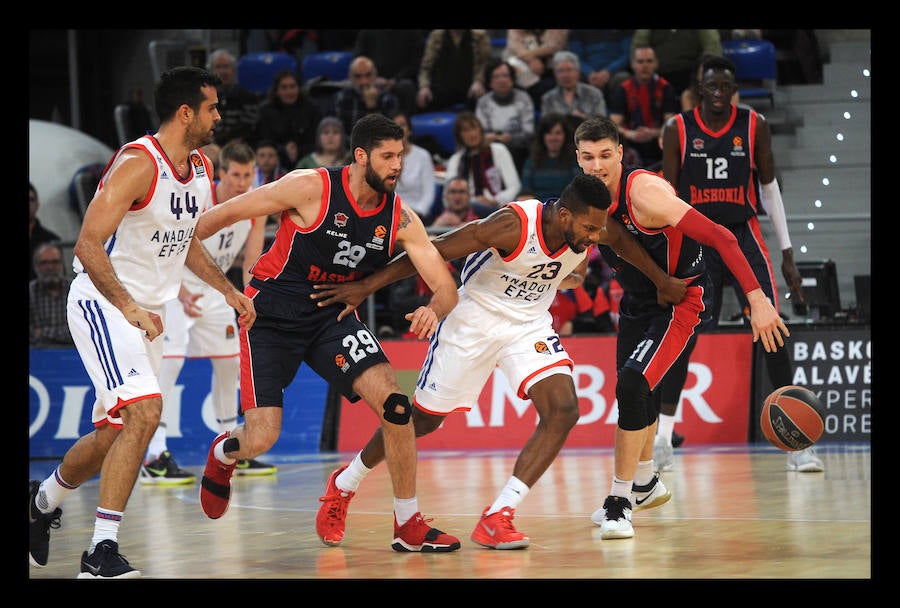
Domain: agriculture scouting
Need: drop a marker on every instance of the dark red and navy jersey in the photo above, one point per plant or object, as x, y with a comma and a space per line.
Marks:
718, 174
677, 254
345, 243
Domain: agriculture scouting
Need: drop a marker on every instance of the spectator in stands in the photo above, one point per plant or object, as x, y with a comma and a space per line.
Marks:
551, 165
362, 95
451, 75
416, 184
641, 105
530, 52
332, 148
288, 118
268, 169
571, 97
457, 205
603, 55
487, 167
397, 53
268, 164
690, 97
506, 112
678, 52
47, 294
36, 231
238, 106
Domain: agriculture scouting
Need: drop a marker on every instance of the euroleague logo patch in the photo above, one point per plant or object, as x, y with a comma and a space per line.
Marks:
541, 347
341, 361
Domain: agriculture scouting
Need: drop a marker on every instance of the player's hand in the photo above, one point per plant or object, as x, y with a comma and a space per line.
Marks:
350, 294
189, 303
767, 324
149, 322
422, 322
244, 306
671, 292
793, 278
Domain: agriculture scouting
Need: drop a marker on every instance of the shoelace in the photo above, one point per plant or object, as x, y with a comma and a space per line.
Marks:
338, 507
506, 516
113, 555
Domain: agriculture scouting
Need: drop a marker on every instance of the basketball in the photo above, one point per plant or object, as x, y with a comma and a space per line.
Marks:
792, 418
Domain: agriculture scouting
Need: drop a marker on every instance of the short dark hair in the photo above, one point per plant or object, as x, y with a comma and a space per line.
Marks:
179, 86
585, 191
717, 62
372, 129
596, 128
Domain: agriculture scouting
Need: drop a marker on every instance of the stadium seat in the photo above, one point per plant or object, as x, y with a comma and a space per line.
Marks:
256, 71
439, 125
756, 68
327, 65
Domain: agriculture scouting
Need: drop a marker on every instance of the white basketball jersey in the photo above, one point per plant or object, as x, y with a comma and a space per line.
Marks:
149, 248
521, 285
224, 246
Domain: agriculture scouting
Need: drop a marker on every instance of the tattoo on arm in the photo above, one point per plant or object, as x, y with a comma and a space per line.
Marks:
404, 218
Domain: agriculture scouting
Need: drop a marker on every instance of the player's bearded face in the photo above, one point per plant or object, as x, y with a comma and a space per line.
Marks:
378, 182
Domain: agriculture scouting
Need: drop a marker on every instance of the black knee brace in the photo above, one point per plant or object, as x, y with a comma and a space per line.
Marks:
390, 406
632, 392
231, 445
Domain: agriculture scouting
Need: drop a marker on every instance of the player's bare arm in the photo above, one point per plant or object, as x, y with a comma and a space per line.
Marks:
253, 246
299, 192
201, 263
669, 289
127, 182
655, 205
432, 267
501, 229
577, 276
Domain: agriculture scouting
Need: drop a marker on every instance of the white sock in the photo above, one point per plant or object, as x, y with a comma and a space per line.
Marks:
350, 477
665, 427
106, 527
513, 493
219, 453
405, 508
52, 492
621, 487
644, 472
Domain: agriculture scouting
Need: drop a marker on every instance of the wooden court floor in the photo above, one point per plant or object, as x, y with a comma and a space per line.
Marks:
736, 513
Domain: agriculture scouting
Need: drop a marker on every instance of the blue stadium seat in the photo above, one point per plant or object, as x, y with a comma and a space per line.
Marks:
256, 71
330, 65
755, 66
439, 125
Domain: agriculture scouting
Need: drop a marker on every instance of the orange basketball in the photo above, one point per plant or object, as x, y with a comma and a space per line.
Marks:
792, 418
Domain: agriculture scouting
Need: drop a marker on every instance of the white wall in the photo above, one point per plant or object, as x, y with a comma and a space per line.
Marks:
55, 153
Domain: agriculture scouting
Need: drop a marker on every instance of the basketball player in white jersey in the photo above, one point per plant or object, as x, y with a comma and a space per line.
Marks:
201, 324
137, 235
520, 256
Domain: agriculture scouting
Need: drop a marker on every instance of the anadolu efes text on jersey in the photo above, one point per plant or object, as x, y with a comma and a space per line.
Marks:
523, 283
149, 247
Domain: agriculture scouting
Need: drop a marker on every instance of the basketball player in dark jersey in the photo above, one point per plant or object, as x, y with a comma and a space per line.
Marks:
651, 336
337, 224
719, 158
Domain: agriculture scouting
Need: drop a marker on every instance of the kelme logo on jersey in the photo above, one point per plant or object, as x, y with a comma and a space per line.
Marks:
340, 220
541, 347
341, 361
